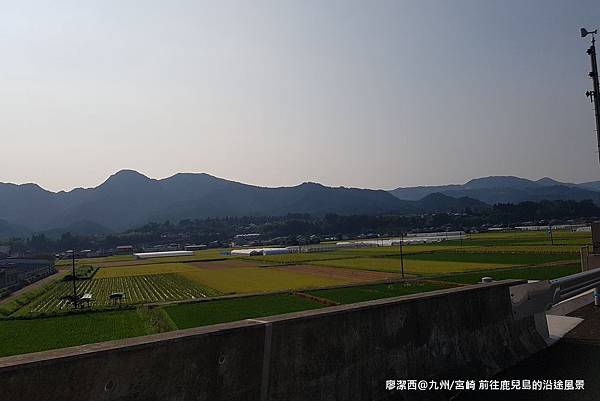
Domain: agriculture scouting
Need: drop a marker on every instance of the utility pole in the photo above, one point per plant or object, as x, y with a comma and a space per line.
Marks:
595, 93
73, 277
402, 253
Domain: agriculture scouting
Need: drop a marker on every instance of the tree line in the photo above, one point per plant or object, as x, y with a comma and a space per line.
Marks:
219, 231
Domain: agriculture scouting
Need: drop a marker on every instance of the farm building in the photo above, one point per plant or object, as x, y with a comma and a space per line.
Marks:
275, 251
194, 247
124, 250
246, 252
245, 239
86, 253
149, 255
163, 248
418, 238
260, 251
439, 234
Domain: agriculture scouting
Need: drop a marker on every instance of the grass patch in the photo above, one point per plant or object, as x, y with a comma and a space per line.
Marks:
351, 295
32, 335
230, 310
156, 320
525, 273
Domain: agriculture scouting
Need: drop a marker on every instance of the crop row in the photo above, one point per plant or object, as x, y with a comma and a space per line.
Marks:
136, 289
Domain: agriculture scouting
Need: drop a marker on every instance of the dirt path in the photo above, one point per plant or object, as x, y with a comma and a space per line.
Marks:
32, 286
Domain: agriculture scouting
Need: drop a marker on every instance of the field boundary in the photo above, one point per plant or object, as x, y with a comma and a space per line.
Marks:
324, 301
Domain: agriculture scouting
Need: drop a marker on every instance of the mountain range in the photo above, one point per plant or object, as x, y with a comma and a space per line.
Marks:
507, 189
128, 199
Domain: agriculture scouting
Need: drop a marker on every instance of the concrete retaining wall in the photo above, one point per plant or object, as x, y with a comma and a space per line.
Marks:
337, 353
593, 261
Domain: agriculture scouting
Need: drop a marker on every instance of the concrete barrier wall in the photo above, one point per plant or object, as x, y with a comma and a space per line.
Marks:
593, 261
337, 353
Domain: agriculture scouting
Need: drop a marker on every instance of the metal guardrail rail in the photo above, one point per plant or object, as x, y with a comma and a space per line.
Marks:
575, 284
532, 298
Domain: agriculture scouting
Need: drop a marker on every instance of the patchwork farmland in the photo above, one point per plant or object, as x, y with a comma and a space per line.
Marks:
189, 288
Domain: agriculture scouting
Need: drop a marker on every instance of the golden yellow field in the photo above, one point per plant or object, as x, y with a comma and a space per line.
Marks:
257, 279
225, 279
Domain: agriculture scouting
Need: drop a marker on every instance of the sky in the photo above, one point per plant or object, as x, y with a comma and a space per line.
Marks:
372, 94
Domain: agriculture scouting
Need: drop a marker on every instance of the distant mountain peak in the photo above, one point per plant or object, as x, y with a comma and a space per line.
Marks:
310, 184
437, 195
191, 174
27, 186
549, 181
126, 177
499, 181
128, 173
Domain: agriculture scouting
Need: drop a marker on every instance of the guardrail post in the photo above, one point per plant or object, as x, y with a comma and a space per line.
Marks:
533, 299
597, 296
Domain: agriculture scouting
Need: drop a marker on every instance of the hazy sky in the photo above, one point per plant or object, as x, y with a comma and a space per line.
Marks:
374, 94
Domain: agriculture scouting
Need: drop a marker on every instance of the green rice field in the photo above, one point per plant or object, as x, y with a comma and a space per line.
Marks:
137, 289
349, 295
490, 258
229, 310
32, 335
